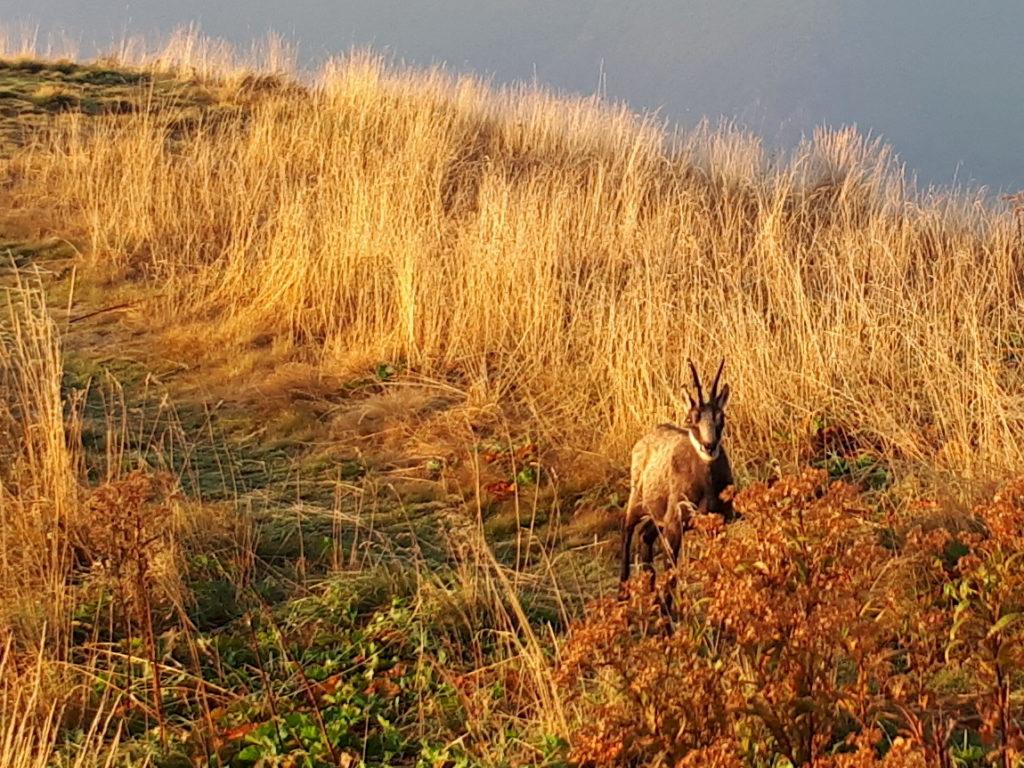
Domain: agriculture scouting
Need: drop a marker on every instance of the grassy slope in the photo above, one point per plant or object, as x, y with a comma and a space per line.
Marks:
346, 545
564, 256
358, 572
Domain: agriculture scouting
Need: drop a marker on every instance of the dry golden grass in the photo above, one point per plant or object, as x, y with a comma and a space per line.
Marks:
24, 41
570, 256
31, 716
38, 497
184, 52
38, 490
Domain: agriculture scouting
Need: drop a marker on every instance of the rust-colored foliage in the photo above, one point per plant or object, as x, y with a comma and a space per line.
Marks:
124, 533
797, 634
124, 519
797, 605
987, 633
657, 696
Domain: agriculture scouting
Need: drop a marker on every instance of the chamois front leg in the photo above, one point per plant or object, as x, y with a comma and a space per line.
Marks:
725, 505
714, 504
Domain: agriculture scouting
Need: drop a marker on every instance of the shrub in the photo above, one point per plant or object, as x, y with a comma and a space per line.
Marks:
653, 695
800, 617
799, 637
987, 630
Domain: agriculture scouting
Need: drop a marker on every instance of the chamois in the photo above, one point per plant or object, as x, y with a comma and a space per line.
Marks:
676, 472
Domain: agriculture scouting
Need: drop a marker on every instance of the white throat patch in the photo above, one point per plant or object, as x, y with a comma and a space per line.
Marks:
706, 457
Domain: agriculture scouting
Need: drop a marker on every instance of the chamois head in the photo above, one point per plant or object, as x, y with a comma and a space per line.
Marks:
706, 419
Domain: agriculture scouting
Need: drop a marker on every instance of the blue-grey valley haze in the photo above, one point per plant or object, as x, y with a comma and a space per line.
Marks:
942, 81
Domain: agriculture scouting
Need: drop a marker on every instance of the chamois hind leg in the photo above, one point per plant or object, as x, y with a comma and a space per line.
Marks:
671, 540
650, 536
674, 542
632, 518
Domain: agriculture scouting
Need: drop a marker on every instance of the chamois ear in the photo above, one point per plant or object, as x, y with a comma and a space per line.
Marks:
723, 397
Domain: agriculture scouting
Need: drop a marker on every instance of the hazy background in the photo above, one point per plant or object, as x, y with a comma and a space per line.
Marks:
941, 80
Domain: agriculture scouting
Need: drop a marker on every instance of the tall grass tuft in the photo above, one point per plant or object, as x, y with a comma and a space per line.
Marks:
39, 501
38, 489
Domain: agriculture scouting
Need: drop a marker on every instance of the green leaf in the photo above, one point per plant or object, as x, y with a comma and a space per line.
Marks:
250, 754
526, 476
1003, 624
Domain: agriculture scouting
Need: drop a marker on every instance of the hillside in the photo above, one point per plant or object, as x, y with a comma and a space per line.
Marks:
318, 394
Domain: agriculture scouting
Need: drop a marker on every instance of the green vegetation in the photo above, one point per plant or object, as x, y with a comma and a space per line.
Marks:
33, 92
